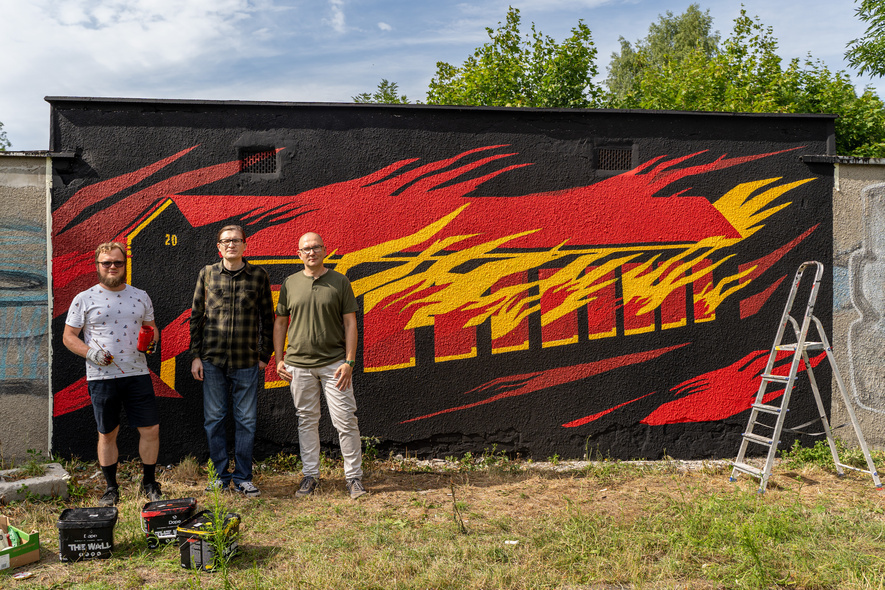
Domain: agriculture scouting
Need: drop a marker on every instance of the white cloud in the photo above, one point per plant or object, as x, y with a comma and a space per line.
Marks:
336, 21
384, 26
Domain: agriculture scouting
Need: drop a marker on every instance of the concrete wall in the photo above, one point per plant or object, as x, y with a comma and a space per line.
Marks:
541, 280
859, 296
24, 318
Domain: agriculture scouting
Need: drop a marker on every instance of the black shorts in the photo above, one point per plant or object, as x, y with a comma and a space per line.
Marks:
135, 394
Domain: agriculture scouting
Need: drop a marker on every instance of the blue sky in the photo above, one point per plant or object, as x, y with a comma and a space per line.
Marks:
321, 50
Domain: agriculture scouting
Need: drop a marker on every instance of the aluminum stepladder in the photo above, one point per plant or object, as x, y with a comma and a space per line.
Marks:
760, 410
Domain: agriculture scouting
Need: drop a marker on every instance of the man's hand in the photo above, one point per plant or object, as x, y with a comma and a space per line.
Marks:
344, 377
282, 372
99, 357
197, 369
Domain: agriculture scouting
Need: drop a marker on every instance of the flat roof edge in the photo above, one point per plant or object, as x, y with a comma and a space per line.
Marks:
216, 103
813, 159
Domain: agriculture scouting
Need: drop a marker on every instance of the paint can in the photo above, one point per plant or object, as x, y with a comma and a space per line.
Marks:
195, 540
86, 533
145, 338
160, 520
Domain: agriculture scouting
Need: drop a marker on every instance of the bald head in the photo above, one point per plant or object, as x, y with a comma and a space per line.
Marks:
312, 237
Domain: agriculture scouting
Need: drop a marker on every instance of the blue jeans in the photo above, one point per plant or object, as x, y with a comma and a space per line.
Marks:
242, 385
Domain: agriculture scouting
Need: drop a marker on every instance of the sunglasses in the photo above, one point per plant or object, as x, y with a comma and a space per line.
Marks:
114, 263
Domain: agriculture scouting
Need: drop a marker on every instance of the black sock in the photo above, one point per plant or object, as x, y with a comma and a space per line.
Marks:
110, 475
149, 473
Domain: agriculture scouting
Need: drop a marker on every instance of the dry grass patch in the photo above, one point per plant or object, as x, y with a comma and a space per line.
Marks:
598, 525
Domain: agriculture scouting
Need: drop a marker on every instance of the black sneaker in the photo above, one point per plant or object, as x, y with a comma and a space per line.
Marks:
110, 497
307, 486
152, 491
356, 489
247, 488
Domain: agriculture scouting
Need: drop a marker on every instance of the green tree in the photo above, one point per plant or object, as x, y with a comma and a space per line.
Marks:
4, 142
747, 75
530, 71
387, 93
671, 38
867, 54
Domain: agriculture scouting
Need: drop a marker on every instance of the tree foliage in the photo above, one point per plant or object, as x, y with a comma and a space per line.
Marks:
386, 93
867, 54
530, 71
746, 75
671, 38
4, 142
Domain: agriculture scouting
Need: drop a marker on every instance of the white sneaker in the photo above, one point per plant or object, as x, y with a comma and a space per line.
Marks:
247, 488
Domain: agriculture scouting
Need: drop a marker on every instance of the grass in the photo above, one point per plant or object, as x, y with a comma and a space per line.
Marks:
35, 466
495, 522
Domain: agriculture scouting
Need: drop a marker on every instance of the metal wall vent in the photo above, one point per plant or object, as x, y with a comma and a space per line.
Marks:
614, 159
258, 161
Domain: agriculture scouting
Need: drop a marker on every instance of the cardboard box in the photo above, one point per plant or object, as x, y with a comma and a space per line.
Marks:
27, 551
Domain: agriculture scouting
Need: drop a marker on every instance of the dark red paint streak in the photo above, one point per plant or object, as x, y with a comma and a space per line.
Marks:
516, 385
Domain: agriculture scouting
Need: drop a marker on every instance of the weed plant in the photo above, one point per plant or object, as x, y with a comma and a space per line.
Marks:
496, 522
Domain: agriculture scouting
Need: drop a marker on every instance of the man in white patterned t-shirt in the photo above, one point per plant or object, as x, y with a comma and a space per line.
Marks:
110, 316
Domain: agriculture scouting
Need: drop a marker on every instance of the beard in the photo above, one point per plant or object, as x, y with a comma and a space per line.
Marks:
110, 282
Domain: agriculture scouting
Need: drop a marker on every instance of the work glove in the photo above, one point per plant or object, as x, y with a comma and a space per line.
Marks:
99, 357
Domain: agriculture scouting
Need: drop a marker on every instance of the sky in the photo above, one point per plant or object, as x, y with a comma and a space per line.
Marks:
324, 50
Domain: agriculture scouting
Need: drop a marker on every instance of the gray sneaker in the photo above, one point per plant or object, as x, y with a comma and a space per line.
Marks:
216, 484
307, 486
110, 497
247, 488
356, 489
152, 491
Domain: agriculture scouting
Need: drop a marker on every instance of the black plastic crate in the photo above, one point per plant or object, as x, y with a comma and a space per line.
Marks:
160, 520
195, 542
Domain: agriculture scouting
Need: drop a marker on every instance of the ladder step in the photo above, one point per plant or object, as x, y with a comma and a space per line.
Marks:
812, 346
749, 469
776, 378
757, 439
856, 469
768, 409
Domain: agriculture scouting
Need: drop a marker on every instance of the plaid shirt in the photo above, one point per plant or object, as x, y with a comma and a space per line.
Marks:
232, 317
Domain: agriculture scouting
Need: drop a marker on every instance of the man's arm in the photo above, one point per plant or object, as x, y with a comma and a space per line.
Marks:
344, 373
266, 319
280, 326
198, 311
71, 339
73, 342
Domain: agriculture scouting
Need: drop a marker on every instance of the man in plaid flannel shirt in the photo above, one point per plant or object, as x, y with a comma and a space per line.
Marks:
231, 329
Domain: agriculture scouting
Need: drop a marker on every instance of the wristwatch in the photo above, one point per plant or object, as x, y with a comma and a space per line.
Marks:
351, 363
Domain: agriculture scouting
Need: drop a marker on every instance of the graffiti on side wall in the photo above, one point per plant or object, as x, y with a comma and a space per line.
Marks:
620, 258
23, 302
867, 277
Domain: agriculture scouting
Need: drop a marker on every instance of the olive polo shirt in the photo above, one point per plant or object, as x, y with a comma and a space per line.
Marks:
316, 308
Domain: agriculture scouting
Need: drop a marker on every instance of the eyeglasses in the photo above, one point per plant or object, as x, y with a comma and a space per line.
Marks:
234, 241
114, 263
312, 249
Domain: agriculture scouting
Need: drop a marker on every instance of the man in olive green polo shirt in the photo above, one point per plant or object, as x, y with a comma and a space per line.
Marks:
317, 311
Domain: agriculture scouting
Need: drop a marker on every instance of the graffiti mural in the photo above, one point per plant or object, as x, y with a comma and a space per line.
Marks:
511, 293
24, 306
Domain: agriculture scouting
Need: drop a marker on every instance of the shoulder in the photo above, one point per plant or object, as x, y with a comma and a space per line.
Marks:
337, 277
255, 270
211, 269
89, 294
135, 293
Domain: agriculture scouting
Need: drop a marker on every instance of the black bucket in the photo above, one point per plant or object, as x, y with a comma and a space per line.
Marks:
86, 533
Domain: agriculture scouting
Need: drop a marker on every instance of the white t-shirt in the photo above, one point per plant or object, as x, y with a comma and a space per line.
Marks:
113, 320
